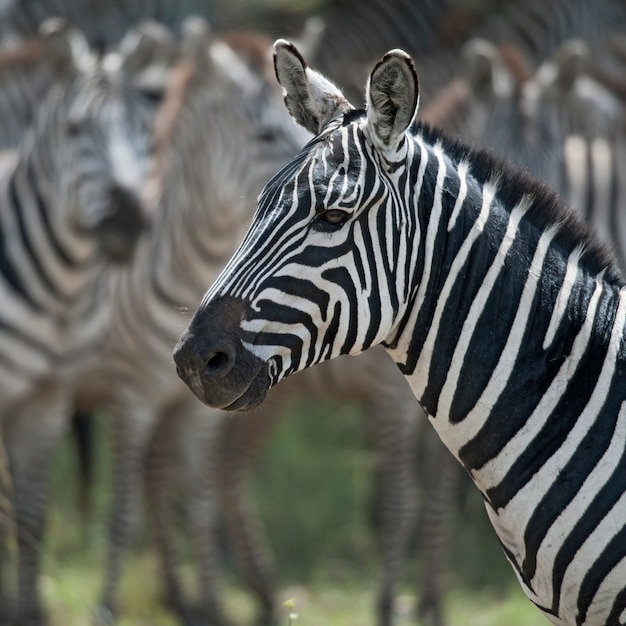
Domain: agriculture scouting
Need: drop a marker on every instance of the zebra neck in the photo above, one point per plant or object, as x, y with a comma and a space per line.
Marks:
502, 318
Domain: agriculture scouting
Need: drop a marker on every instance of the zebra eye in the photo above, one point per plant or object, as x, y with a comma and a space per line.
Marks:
335, 217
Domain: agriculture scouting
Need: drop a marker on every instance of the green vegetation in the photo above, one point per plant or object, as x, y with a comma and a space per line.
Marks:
313, 487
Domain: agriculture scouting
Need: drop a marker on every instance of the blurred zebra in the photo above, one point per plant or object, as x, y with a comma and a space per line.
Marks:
563, 121
70, 208
213, 90
589, 113
218, 87
25, 75
356, 34
486, 104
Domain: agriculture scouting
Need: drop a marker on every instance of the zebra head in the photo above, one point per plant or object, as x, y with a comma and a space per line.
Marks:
315, 275
95, 128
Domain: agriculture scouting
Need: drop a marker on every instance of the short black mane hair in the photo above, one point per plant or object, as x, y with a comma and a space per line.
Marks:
548, 207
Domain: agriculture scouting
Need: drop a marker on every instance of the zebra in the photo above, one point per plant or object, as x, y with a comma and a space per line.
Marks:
589, 117
71, 212
216, 88
501, 308
147, 48
487, 105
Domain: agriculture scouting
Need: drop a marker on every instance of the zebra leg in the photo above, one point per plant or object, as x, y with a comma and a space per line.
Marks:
393, 430
131, 431
240, 441
440, 474
160, 490
198, 443
32, 434
8, 540
190, 427
83, 437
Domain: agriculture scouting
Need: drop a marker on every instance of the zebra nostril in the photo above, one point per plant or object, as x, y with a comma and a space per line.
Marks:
217, 364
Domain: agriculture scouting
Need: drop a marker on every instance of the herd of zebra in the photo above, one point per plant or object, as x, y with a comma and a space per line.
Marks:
133, 154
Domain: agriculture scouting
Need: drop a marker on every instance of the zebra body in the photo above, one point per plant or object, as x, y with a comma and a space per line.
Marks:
501, 309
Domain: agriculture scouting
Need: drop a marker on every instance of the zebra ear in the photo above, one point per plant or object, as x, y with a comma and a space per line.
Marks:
67, 49
148, 51
196, 41
569, 61
311, 99
485, 70
392, 98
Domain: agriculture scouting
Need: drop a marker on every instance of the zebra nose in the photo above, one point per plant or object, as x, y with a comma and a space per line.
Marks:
206, 360
123, 224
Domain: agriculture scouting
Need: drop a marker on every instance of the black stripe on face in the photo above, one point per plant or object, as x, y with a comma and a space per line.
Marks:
7, 265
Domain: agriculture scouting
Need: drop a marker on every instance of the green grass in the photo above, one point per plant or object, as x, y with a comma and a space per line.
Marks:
70, 596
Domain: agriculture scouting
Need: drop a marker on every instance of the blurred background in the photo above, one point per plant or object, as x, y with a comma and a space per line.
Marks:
162, 514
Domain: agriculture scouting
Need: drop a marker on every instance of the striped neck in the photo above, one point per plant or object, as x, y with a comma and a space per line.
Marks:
506, 305
514, 344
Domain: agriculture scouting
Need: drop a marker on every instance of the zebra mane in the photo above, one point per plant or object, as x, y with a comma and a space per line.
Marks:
547, 209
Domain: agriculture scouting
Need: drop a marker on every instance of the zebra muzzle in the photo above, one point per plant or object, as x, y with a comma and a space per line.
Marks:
213, 362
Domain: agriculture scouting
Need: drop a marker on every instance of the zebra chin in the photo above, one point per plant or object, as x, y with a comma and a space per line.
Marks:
212, 361
230, 399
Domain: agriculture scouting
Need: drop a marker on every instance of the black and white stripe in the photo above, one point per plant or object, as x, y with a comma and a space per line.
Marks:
502, 310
